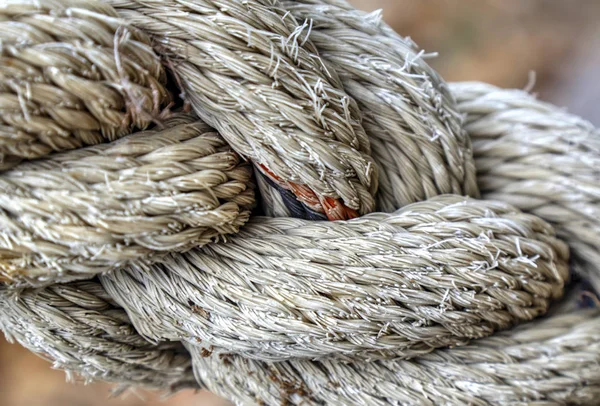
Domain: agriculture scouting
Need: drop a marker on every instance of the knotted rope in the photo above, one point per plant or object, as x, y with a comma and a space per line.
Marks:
540, 159
339, 305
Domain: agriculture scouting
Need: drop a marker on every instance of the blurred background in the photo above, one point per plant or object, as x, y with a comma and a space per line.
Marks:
500, 42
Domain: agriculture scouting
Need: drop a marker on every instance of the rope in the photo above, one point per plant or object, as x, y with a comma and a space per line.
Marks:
433, 274
234, 69
540, 159
100, 208
554, 361
327, 103
80, 329
71, 75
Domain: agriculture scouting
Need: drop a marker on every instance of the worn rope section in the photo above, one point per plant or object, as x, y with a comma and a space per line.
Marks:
80, 329
409, 113
352, 311
250, 70
540, 159
95, 209
72, 74
554, 361
433, 274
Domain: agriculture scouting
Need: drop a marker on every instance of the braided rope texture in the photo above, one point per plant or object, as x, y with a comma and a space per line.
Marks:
99, 208
433, 274
72, 74
551, 362
341, 306
240, 78
540, 159
408, 113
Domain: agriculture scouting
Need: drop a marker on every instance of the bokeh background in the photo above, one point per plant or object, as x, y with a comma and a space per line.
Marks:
501, 42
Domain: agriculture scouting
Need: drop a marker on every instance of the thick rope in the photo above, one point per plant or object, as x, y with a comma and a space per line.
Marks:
549, 362
100, 208
416, 136
433, 274
552, 362
540, 159
243, 82
80, 329
249, 69
72, 75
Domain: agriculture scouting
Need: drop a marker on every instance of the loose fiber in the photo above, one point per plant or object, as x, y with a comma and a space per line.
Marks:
80, 329
409, 115
433, 274
540, 159
100, 208
72, 74
328, 103
250, 70
554, 361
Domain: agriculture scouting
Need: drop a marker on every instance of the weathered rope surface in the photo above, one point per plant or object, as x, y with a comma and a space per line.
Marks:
251, 69
416, 136
80, 329
250, 72
72, 75
540, 159
433, 274
551, 362
297, 87
100, 208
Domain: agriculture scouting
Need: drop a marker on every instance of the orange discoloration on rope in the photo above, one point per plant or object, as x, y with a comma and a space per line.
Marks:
334, 209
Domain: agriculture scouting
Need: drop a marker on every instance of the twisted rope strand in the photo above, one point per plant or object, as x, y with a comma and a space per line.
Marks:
250, 70
409, 115
540, 159
80, 329
350, 311
550, 362
554, 361
72, 74
433, 274
99, 208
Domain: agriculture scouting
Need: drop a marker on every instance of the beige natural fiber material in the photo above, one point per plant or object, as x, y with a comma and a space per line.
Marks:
250, 70
327, 102
552, 362
433, 274
540, 159
100, 208
72, 74
416, 136
80, 329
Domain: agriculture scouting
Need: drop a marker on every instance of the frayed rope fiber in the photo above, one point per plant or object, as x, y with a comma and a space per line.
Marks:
339, 116
72, 75
95, 209
433, 274
269, 83
540, 159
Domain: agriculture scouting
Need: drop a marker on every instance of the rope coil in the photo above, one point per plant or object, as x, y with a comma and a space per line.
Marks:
329, 104
433, 274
